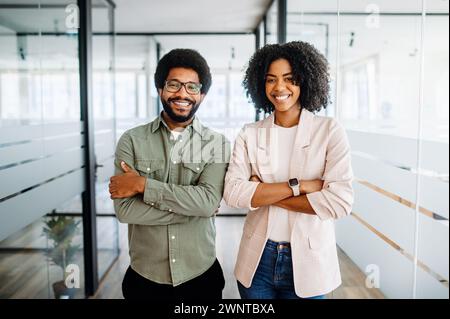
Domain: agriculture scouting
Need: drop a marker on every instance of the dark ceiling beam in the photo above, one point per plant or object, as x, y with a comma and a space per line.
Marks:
263, 16
137, 33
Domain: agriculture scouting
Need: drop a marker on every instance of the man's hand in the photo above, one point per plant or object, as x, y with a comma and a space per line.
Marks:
127, 184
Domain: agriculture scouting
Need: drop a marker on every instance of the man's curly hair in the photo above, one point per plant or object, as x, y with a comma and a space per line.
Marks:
309, 71
183, 58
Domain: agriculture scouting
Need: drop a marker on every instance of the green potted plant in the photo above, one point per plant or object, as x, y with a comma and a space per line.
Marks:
61, 230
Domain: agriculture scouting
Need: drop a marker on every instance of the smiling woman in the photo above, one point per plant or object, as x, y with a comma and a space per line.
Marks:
292, 171
281, 89
301, 66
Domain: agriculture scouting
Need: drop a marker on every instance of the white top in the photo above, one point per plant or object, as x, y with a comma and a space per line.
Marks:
175, 134
284, 140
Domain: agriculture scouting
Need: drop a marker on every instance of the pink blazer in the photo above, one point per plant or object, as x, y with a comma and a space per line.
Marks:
321, 151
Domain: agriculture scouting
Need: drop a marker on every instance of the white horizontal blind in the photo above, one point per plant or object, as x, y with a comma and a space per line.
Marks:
381, 230
41, 167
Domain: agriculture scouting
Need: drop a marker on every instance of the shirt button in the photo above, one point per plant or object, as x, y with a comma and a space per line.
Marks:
181, 141
174, 162
148, 168
173, 237
152, 204
170, 210
198, 168
173, 260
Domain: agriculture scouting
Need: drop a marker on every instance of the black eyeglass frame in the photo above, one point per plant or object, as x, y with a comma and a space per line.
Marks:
198, 85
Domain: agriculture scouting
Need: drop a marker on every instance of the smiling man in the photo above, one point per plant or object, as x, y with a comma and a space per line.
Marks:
168, 185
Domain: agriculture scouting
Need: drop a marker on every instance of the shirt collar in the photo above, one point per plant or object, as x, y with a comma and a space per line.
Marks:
196, 125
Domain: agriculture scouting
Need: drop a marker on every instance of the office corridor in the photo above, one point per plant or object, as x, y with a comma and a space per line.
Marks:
76, 74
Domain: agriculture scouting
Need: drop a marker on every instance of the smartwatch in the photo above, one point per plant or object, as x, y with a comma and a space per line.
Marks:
294, 184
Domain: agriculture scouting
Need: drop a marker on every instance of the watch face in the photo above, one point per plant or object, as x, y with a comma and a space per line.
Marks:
293, 182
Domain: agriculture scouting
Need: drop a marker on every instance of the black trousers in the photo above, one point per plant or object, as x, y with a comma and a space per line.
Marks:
207, 286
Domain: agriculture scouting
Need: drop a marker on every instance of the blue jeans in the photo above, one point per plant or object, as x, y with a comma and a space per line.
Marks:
274, 276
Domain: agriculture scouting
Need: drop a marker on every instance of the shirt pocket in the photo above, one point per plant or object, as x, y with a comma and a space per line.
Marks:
150, 168
191, 173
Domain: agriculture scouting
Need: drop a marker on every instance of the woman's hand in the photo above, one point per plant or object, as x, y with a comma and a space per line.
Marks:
269, 193
306, 187
255, 178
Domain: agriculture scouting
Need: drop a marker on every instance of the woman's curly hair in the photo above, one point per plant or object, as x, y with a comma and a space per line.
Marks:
183, 58
309, 71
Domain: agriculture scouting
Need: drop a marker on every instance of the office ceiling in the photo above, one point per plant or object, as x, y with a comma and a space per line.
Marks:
384, 6
239, 15
189, 15
186, 16
149, 16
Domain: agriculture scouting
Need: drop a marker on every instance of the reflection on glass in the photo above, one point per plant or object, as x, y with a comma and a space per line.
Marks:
104, 93
135, 94
435, 119
214, 106
272, 23
226, 108
261, 30
39, 84
380, 72
20, 91
433, 225
61, 232
45, 259
316, 23
38, 72
126, 95
23, 264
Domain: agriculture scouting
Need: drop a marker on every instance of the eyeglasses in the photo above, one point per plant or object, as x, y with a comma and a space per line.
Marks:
174, 86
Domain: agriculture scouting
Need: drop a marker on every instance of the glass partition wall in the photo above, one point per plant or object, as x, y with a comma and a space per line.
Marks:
389, 70
43, 151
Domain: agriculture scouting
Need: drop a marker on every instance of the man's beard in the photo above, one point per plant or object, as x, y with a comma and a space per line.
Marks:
178, 118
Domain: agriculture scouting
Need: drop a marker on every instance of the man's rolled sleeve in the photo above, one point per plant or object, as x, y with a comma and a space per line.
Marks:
200, 200
153, 193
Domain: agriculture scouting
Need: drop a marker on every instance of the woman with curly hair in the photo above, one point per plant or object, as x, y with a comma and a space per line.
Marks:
292, 171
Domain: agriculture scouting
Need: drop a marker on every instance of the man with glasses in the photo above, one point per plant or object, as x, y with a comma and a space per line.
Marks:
167, 187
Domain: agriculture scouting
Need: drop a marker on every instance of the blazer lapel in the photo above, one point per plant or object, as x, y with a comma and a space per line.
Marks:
302, 141
265, 149
301, 147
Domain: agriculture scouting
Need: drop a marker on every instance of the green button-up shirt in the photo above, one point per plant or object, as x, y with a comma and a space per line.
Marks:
171, 230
